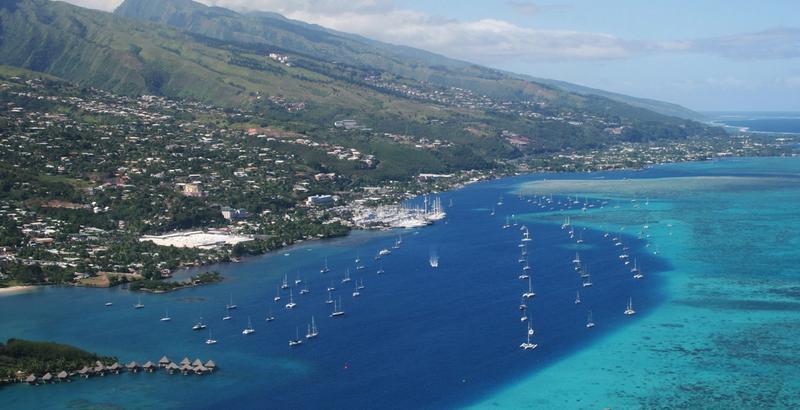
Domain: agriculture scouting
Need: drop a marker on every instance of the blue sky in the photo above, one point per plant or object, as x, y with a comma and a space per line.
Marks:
706, 55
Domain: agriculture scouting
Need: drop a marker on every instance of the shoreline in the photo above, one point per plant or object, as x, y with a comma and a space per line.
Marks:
14, 290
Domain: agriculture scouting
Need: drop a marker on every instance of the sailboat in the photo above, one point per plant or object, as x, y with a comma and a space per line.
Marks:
291, 303
305, 289
269, 317
330, 299
398, 242
210, 340
629, 310
346, 276
492, 213
166, 317
249, 329
526, 236
577, 259
360, 285
296, 341
199, 325
356, 293
230, 305
528, 345
277, 294
285, 284
337, 308
587, 282
507, 224
359, 265
331, 288
500, 201
589, 321
138, 304
434, 261
312, 330
227, 317
380, 268
325, 268
637, 274
297, 279
578, 297
529, 294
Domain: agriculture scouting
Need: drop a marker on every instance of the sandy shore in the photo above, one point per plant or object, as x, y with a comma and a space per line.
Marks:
12, 290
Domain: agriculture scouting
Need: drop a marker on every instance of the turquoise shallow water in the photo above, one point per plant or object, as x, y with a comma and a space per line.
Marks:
717, 311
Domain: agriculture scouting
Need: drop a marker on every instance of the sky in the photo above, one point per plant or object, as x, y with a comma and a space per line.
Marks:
707, 55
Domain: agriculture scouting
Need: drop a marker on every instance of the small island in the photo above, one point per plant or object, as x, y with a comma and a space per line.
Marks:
163, 286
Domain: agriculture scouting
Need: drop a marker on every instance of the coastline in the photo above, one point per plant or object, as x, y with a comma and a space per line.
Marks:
13, 290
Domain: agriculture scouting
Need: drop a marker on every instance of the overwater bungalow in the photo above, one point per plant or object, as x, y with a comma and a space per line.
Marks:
210, 365
31, 379
100, 369
149, 366
163, 361
132, 367
62, 376
114, 368
185, 369
47, 378
185, 361
200, 369
172, 367
84, 372
196, 363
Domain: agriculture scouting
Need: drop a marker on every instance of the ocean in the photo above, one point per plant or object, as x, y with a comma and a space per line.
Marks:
776, 122
716, 312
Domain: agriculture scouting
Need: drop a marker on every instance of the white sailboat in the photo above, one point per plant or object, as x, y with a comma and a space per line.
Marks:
330, 299
587, 281
269, 317
529, 294
325, 268
199, 325
380, 270
305, 289
346, 276
629, 310
398, 242
210, 340
578, 297
331, 288
277, 294
139, 304
249, 329
577, 259
230, 304
296, 341
166, 317
337, 309
291, 303
589, 321
285, 284
637, 274
312, 330
507, 224
528, 345
356, 292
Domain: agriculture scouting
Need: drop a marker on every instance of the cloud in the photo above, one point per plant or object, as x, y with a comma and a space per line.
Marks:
486, 40
529, 8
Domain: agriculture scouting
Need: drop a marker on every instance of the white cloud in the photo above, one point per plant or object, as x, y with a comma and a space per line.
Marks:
487, 40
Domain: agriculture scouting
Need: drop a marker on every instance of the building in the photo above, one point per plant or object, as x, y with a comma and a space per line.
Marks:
192, 189
318, 200
232, 214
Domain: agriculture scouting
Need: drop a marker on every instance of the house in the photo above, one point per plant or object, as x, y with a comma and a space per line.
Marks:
318, 200
231, 214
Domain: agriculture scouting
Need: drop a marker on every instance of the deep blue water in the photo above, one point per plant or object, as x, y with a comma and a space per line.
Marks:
790, 125
416, 337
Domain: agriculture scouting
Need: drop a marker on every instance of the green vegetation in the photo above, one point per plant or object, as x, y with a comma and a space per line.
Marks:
161, 286
32, 357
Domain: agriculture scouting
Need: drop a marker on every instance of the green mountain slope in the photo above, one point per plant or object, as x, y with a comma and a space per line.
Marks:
181, 49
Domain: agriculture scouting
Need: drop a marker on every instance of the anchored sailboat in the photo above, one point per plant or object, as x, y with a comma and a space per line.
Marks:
528, 345
249, 329
312, 330
629, 310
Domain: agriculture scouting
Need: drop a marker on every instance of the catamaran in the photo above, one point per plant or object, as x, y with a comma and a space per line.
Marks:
637, 274
249, 329
434, 261
305, 289
296, 341
528, 345
312, 330
589, 321
360, 285
356, 293
380, 268
269, 317
587, 281
529, 294
629, 310
577, 259
398, 242
138, 304
331, 288
210, 340
507, 224
346, 276
325, 268
277, 294
297, 279
166, 317
291, 303
285, 284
